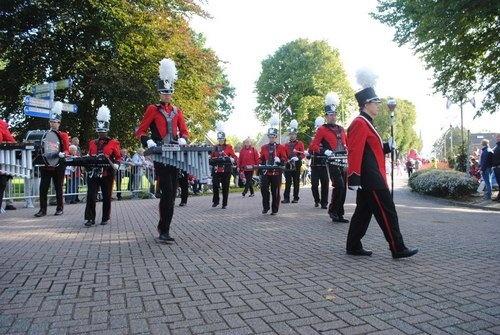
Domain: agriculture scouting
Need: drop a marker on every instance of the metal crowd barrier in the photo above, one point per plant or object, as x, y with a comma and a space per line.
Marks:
134, 181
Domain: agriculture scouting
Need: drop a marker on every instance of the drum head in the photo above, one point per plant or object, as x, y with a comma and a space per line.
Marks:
50, 147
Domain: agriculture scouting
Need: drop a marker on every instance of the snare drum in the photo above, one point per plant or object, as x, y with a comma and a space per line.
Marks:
47, 147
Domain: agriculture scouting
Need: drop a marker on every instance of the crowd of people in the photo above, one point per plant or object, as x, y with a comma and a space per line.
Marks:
485, 167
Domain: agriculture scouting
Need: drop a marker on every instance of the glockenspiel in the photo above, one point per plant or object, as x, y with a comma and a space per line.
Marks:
16, 159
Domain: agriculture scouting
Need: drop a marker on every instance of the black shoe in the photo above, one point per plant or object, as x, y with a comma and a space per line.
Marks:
343, 220
224, 206
10, 208
243, 194
104, 222
166, 238
339, 219
404, 253
264, 211
294, 201
215, 204
40, 214
316, 204
359, 252
324, 207
59, 212
182, 204
89, 223
251, 195
274, 213
285, 201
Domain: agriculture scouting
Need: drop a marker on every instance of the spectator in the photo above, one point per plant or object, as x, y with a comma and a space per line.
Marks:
123, 171
72, 174
138, 163
409, 167
475, 170
496, 164
76, 142
485, 162
150, 169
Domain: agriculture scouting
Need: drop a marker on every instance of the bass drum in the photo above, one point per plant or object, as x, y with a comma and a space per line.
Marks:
47, 145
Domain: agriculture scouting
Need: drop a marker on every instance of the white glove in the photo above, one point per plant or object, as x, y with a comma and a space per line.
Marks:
277, 159
391, 143
249, 167
355, 188
182, 141
62, 155
151, 143
295, 159
231, 159
328, 152
115, 166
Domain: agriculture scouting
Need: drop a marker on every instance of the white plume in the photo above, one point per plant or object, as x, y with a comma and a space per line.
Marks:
103, 114
219, 126
332, 98
294, 124
366, 78
319, 121
57, 108
274, 121
168, 71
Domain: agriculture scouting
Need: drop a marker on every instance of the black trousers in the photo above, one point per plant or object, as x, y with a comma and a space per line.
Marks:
273, 196
292, 177
167, 178
184, 185
4, 179
57, 177
319, 174
106, 185
249, 182
380, 204
221, 180
337, 177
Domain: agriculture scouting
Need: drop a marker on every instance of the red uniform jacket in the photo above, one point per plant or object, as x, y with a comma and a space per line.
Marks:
5, 135
220, 151
109, 147
329, 136
366, 157
295, 148
266, 159
248, 156
155, 121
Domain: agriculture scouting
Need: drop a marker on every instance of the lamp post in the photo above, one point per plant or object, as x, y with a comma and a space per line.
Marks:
391, 104
451, 141
279, 101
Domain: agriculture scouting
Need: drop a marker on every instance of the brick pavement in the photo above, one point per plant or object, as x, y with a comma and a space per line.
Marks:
236, 271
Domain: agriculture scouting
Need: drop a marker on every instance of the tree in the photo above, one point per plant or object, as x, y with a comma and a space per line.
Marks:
306, 71
457, 39
448, 145
111, 49
404, 123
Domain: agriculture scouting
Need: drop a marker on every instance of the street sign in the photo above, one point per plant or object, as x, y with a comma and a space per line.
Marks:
42, 103
55, 85
43, 95
37, 112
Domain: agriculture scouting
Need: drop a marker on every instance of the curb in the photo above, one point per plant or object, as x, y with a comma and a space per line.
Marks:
454, 202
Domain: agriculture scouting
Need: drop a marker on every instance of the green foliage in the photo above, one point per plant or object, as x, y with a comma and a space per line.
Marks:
111, 49
457, 39
306, 70
404, 123
452, 139
443, 183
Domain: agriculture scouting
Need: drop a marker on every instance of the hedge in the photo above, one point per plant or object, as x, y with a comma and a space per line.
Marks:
443, 183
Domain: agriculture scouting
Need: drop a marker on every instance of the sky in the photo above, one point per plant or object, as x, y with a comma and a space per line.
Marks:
245, 32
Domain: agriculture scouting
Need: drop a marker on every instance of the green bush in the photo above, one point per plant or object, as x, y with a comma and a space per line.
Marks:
443, 183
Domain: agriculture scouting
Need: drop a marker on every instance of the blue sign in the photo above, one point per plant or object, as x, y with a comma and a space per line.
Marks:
37, 112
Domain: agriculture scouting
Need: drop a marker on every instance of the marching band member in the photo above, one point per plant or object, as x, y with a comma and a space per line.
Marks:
99, 177
366, 175
56, 174
167, 125
272, 154
5, 137
222, 172
295, 153
333, 138
248, 161
319, 172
